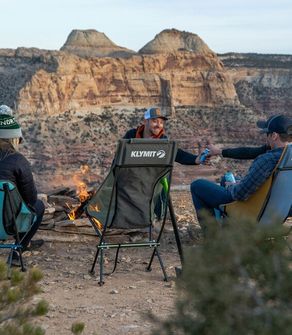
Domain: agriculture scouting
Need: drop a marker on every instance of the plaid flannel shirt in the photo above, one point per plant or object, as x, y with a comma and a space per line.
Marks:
258, 173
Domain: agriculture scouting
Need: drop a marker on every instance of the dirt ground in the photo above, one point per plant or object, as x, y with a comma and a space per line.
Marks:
120, 305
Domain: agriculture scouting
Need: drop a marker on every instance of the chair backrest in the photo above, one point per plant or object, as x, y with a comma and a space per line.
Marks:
274, 196
126, 198
279, 201
14, 213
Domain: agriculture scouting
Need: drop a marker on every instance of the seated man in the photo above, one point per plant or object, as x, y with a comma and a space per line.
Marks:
15, 168
207, 195
153, 127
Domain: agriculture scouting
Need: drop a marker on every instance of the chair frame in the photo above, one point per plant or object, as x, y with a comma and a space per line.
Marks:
151, 243
17, 246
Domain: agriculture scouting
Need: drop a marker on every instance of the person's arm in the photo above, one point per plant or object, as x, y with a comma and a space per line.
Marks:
25, 182
130, 134
186, 158
244, 152
238, 153
258, 173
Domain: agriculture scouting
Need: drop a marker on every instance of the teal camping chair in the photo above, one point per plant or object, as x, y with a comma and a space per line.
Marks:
15, 218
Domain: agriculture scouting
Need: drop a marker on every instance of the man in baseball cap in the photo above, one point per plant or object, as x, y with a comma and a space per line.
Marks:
153, 126
207, 195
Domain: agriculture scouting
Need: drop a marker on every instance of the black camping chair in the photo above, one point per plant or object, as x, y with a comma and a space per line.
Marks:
140, 174
15, 218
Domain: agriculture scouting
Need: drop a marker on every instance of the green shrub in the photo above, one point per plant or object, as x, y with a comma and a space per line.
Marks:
238, 281
16, 309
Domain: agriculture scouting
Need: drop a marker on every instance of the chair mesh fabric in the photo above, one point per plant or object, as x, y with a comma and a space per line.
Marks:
279, 202
12, 207
133, 184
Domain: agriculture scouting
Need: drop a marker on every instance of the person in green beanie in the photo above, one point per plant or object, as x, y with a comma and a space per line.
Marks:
16, 168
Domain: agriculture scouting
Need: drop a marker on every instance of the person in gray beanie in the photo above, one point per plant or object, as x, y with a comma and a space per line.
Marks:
16, 168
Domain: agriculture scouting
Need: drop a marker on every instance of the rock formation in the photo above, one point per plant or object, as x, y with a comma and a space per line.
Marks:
91, 43
73, 107
172, 40
262, 82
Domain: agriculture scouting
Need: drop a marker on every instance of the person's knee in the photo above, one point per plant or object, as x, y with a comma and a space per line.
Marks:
197, 185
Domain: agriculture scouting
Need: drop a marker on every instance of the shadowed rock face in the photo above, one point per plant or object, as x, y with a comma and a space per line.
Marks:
262, 82
91, 43
172, 40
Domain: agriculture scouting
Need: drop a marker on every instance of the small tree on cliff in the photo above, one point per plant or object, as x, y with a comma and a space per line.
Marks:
239, 281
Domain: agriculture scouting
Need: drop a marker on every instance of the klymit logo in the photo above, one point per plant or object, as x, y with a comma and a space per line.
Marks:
161, 154
148, 153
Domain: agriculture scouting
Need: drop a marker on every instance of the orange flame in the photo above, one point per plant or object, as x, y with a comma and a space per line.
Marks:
81, 191
98, 223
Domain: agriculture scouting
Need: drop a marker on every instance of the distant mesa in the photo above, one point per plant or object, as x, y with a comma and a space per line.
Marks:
173, 40
91, 43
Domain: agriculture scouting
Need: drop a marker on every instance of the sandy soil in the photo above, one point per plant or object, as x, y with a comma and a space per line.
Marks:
121, 304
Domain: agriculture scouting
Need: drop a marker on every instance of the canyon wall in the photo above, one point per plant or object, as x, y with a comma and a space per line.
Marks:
76, 103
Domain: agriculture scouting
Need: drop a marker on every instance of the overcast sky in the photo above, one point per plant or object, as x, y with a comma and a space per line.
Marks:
263, 26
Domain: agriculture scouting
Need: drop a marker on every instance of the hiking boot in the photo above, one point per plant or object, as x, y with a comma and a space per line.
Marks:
34, 245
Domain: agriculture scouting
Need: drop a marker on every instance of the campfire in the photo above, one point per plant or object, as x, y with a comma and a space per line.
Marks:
82, 193
84, 196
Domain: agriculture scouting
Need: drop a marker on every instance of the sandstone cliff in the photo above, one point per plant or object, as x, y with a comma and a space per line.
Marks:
177, 79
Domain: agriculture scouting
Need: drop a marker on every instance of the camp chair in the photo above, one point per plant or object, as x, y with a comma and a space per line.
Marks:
140, 173
15, 218
272, 202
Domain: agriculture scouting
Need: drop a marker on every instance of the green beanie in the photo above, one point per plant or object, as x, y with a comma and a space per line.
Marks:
9, 128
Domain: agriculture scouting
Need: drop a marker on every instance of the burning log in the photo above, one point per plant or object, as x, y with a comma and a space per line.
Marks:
77, 211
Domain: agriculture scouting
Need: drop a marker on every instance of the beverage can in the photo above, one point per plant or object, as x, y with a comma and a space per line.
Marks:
229, 177
204, 155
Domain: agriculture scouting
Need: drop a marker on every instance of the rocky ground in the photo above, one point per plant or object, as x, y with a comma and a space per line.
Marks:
121, 305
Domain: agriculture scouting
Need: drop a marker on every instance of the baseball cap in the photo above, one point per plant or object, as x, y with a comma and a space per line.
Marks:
154, 113
280, 124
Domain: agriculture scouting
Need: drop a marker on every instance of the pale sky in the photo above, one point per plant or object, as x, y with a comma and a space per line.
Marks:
262, 26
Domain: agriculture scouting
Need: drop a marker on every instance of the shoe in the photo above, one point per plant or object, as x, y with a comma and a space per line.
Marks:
15, 259
178, 272
33, 245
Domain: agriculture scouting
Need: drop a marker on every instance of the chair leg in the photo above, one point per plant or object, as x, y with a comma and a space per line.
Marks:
23, 269
161, 265
101, 282
94, 262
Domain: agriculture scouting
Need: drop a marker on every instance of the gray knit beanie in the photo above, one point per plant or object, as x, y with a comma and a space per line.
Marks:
9, 128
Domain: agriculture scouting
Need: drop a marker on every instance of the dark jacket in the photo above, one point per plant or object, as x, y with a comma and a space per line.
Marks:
182, 157
16, 168
245, 152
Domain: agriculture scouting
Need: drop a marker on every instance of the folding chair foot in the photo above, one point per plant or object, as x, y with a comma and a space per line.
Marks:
178, 272
91, 272
148, 269
101, 283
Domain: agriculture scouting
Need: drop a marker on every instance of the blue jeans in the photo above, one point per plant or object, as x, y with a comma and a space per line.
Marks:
207, 196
